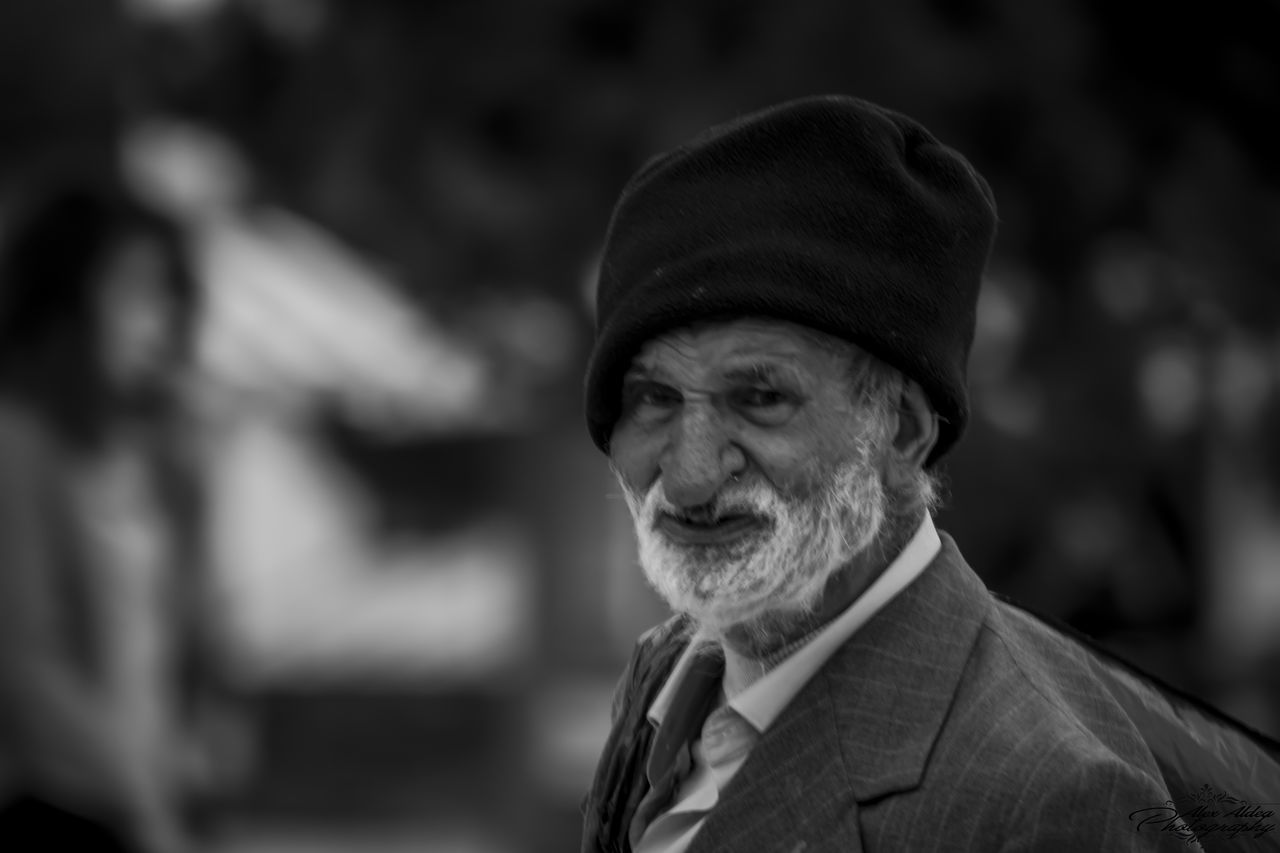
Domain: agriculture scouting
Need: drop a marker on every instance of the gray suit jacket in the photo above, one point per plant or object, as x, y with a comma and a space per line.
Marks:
950, 721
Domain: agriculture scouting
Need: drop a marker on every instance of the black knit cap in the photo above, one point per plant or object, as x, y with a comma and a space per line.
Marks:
829, 212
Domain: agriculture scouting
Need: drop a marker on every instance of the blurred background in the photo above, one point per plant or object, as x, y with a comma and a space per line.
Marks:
423, 573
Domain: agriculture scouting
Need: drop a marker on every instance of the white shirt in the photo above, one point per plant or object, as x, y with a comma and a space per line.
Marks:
732, 729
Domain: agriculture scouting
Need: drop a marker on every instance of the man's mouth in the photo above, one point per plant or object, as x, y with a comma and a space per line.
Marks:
689, 530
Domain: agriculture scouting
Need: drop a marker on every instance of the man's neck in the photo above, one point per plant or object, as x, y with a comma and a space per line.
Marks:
742, 670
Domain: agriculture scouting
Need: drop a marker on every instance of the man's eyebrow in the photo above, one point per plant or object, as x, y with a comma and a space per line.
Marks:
760, 372
639, 372
756, 371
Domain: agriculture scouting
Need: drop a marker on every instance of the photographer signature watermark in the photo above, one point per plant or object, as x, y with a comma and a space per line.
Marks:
1206, 813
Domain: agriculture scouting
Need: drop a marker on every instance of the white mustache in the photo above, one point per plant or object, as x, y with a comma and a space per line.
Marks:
757, 501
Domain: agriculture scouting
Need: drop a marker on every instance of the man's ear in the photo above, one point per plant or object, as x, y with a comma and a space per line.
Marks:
917, 429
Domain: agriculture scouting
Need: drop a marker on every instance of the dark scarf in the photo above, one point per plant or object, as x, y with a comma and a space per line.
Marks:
620, 782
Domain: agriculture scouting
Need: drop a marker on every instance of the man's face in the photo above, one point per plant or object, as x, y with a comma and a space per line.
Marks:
750, 471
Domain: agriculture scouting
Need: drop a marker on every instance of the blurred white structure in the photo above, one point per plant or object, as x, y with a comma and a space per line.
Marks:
294, 320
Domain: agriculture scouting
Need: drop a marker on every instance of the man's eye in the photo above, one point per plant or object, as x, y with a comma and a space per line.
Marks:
761, 398
767, 406
650, 398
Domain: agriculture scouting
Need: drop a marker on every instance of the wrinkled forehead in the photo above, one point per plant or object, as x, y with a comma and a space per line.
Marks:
741, 343
745, 337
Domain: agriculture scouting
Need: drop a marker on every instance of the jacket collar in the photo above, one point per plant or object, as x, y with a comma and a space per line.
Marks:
889, 689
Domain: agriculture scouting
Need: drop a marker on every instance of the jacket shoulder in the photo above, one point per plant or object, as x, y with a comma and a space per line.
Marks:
1051, 686
1034, 751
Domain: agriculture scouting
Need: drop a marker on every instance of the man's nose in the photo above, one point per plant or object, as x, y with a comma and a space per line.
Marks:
700, 458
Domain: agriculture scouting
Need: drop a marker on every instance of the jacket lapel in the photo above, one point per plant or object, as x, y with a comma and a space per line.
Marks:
862, 728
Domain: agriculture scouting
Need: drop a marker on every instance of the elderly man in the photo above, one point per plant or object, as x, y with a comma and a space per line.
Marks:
785, 309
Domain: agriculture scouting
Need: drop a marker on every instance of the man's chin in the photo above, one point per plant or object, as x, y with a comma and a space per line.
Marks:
710, 609
754, 618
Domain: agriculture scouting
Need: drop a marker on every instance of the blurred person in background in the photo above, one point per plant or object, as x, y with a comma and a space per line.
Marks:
785, 308
107, 658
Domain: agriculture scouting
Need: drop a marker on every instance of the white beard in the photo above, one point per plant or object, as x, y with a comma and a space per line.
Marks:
771, 579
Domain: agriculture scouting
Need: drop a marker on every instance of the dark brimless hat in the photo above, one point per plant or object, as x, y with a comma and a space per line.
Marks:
829, 212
